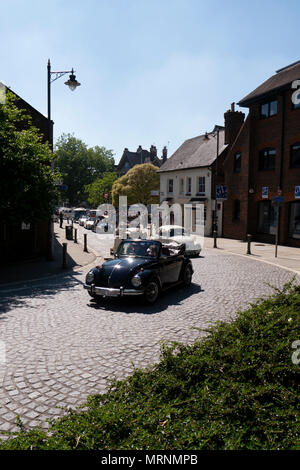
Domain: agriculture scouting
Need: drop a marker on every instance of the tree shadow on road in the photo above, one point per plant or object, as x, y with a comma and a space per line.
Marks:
174, 296
21, 295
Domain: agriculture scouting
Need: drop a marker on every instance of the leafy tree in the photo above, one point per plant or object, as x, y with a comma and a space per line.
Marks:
27, 181
99, 187
137, 185
80, 165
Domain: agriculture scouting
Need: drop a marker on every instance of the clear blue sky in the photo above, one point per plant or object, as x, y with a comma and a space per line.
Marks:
151, 72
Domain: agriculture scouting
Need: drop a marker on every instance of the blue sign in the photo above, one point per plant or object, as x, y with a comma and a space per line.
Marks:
63, 187
265, 192
278, 199
297, 192
221, 192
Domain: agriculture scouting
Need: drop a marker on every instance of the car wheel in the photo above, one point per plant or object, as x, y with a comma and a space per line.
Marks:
94, 296
151, 292
187, 275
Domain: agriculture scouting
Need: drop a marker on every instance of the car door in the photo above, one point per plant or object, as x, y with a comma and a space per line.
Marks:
170, 267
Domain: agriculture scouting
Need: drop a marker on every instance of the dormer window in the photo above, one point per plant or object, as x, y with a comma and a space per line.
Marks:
268, 109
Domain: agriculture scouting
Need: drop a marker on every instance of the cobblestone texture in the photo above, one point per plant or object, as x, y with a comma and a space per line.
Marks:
61, 346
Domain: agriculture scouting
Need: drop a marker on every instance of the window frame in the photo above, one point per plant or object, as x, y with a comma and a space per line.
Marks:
236, 204
203, 184
268, 104
260, 156
188, 182
168, 185
293, 165
237, 169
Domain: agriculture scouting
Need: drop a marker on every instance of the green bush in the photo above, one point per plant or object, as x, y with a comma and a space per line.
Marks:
237, 388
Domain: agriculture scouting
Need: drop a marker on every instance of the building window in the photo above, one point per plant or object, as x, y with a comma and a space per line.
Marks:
237, 162
267, 217
201, 185
268, 109
267, 159
181, 186
170, 186
236, 210
189, 185
294, 224
295, 155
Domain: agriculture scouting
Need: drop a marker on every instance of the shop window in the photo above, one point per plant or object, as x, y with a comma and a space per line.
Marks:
267, 217
294, 222
236, 210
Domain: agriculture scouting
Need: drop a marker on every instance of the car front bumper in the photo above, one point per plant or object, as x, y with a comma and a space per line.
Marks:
111, 292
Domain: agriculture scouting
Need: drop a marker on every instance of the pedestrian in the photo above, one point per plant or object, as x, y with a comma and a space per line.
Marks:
61, 218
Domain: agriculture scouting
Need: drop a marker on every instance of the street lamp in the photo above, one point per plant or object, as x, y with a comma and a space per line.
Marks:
215, 221
72, 84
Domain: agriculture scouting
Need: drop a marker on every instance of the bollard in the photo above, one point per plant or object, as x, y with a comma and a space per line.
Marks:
64, 256
249, 244
215, 234
85, 242
75, 235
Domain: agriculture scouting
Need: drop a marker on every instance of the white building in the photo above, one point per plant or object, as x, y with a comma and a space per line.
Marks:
188, 176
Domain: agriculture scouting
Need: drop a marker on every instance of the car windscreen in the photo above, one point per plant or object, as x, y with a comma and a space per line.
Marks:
139, 249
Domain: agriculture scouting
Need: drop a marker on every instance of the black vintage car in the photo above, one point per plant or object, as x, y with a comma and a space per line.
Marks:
140, 267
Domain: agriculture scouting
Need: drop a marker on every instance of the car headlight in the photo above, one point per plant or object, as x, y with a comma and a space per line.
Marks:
89, 277
136, 281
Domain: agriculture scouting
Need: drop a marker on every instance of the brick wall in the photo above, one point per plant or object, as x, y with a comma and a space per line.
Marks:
278, 132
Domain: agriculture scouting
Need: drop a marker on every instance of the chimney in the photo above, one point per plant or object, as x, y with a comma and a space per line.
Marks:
164, 154
233, 122
153, 152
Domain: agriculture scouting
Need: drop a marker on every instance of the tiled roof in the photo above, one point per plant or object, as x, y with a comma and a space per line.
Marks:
135, 158
199, 151
282, 79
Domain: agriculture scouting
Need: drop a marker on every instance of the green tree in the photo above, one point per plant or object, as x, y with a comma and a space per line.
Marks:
137, 185
99, 187
80, 165
27, 182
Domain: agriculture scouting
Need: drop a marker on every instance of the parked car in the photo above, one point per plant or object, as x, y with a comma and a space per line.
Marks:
88, 224
78, 213
82, 220
176, 233
140, 268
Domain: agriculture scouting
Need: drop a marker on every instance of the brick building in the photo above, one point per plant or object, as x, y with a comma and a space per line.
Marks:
25, 241
263, 161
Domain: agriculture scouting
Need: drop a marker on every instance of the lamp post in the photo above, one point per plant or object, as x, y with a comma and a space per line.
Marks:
215, 228
72, 84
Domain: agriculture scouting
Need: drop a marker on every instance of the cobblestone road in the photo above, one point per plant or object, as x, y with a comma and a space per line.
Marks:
62, 346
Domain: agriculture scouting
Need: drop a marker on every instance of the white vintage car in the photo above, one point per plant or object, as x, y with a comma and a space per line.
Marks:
89, 223
82, 220
178, 234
